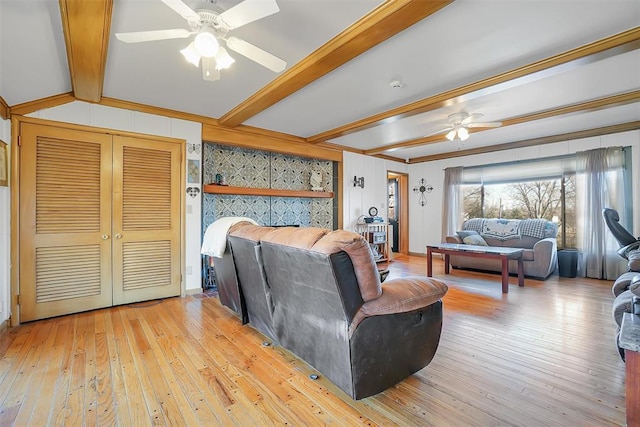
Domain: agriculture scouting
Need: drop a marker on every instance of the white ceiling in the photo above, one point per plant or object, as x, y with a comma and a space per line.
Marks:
465, 42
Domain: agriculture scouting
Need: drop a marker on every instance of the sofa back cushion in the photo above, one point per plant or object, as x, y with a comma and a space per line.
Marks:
514, 233
330, 242
361, 256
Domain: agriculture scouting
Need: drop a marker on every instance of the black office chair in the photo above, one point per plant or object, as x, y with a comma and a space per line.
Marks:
627, 241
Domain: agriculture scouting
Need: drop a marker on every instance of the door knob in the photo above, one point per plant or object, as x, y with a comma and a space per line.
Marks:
105, 236
118, 236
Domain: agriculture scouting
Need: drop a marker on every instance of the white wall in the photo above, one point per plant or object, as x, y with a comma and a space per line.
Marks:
356, 200
131, 121
425, 223
5, 232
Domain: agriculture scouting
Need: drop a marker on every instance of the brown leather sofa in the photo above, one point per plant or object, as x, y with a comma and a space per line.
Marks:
318, 294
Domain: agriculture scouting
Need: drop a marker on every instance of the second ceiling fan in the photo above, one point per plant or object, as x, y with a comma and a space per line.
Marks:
459, 124
210, 29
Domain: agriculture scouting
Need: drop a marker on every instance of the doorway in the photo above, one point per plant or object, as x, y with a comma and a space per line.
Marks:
398, 211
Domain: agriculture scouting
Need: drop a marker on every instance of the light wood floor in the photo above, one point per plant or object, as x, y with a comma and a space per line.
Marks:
542, 355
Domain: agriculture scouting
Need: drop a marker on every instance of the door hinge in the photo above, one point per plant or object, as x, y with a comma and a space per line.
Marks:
19, 140
18, 299
180, 277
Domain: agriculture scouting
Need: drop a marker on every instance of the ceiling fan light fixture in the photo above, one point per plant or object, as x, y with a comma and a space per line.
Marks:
191, 54
463, 133
451, 135
206, 44
223, 59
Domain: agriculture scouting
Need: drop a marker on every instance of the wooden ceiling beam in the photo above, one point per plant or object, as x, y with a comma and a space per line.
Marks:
86, 25
385, 21
625, 41
622, 127
581, 107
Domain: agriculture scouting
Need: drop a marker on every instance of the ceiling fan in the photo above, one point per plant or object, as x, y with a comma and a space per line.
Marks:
459, 124
210, 28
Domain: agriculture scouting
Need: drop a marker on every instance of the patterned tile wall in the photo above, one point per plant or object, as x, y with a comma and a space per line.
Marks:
260, 169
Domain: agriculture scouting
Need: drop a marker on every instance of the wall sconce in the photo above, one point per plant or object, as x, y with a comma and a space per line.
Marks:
358, 182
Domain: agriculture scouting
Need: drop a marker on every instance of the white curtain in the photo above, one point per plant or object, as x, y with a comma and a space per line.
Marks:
599, 185
452, 201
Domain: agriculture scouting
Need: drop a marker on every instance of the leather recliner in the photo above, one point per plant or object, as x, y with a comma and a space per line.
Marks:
244, 238
229, 290
326, 304
626, 240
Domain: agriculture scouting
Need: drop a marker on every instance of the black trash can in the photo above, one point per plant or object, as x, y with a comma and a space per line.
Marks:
568, 262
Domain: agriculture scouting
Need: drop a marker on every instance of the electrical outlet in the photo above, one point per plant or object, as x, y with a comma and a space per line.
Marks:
189, 269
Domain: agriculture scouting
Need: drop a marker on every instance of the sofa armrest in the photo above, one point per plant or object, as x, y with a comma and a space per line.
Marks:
545, 256
453, 239
401, 296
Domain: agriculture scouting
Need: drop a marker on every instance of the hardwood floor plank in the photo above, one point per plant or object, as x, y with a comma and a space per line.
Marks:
137, 346
16, 389
122, 414
543, 354
134, 396
63, 380
90, 378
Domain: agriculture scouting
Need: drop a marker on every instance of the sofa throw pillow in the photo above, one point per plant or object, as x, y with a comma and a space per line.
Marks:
464, 233
474, 239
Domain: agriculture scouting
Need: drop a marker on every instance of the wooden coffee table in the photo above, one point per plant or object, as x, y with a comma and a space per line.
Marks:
505, 254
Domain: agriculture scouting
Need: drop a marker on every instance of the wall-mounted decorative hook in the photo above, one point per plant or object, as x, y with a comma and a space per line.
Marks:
358, 182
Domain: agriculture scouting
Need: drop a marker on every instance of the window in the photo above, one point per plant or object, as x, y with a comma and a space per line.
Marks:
539, 188
552, 199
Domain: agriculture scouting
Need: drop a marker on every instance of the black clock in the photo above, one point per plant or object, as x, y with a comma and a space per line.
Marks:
373, 211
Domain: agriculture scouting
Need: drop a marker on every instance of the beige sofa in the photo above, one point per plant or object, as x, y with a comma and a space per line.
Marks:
536, 236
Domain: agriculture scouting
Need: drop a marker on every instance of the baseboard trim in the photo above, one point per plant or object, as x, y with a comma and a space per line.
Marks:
417, 254
193, 291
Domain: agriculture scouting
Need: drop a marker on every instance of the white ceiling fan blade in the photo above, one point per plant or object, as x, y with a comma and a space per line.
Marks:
472, 118
147, 36
247, 11
209, 71
256, 54
182, 9
439, 131
485, 125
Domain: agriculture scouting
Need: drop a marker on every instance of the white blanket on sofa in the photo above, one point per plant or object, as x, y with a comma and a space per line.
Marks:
215, 237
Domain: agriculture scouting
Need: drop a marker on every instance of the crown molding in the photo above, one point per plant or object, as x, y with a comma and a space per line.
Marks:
5, 110
42, 104
149, 109
263, 140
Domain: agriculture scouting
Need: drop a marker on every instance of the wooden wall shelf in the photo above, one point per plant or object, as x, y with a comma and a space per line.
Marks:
248, 191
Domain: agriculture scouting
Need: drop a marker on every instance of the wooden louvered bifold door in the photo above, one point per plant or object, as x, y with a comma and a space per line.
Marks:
146, 219
65, 221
